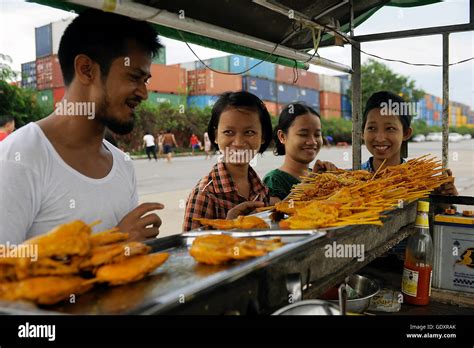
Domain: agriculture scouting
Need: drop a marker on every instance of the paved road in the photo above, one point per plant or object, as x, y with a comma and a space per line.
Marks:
170, 184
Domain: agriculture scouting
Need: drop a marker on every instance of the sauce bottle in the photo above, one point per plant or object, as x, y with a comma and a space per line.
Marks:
417, 269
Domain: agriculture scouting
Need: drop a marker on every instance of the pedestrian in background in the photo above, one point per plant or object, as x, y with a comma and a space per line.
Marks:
168, 142
7, 126
150, 147
194, 143
160, 137
207, 146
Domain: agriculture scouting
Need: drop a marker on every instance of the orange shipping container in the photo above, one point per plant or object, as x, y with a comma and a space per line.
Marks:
58, 94
330, 100
48, 73
305, 79
436, 116
208, 82
329, 113
167, 79
272, 108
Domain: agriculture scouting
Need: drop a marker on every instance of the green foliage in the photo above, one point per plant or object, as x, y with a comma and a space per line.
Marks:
338, 128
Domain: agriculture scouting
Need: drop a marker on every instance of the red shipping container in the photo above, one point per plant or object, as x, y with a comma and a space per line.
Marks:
48, 73
167, 79
272, 108
329, 113
436, 116
58, 94
330, 100
208, 82
306, 79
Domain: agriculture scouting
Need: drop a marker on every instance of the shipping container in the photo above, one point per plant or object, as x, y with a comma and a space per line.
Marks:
208, 82
219, 64
45, 99
48, 73
346, 115
329, 113
28, 75
48, 37
345, 84
272, 108
264, 89
238, 64
346, 104
330, 100
305, 79
329, 83
167, 79
160, 58
310, 97
58, 94
201, 101
436, 116
173, 99
186, 66
287, 94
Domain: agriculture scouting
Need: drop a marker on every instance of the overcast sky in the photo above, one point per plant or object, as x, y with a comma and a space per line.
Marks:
18, 20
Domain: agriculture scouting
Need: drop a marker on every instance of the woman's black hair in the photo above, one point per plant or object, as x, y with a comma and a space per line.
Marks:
244, 100
286, 119
384, 98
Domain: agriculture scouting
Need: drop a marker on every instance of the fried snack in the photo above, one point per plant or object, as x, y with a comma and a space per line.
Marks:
43, 290
108, 237
113, 253
242, 222
218, 249
48, 267
130, 270
7, 273
65, 240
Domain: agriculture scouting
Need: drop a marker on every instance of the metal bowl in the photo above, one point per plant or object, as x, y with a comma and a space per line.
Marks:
366, 289
309, 307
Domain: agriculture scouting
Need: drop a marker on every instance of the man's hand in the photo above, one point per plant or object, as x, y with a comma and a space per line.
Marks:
323, 166
447, 189
243, 209
136, 222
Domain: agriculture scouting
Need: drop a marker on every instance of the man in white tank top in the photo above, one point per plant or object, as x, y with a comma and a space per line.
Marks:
60, 168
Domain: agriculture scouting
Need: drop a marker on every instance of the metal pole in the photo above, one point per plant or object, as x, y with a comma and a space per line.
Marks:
356, 108
445, 99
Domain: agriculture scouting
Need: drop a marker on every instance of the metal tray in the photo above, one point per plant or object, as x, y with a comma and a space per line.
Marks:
177, 281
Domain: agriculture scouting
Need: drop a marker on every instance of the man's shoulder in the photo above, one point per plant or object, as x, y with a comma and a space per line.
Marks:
24, 145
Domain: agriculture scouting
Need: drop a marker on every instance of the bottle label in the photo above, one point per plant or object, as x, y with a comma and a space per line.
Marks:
410, 282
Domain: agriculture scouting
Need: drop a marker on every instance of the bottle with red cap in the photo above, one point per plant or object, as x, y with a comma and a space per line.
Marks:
418, 266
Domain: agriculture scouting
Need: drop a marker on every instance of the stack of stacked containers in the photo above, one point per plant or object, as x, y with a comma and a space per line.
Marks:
168, 82
346, 104
49, 78
28, 75
205, 85
330, 96
438, 111
296, 85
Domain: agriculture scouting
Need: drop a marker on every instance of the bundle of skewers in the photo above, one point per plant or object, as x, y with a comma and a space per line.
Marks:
359, 197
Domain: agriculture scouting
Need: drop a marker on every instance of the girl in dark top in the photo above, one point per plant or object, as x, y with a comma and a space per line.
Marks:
298, 137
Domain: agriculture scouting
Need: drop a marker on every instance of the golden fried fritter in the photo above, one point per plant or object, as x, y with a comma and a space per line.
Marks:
108, 237
130, 270
113, 253
242, 222
43, 290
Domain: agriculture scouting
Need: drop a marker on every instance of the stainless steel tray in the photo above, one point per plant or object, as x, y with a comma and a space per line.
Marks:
177, 281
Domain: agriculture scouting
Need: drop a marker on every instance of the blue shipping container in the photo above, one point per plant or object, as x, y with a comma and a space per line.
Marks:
347, 115
44, 41
346, 104
201, 101
264, 89
345, 84
238, 64
309, 96
286, 93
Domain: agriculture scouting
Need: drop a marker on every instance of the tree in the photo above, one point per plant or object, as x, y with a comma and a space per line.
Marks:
376, 76
14, 101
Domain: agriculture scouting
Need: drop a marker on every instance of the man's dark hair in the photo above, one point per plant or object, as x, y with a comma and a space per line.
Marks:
375, 101
4, 119
103, 37
286, 119
244, 100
